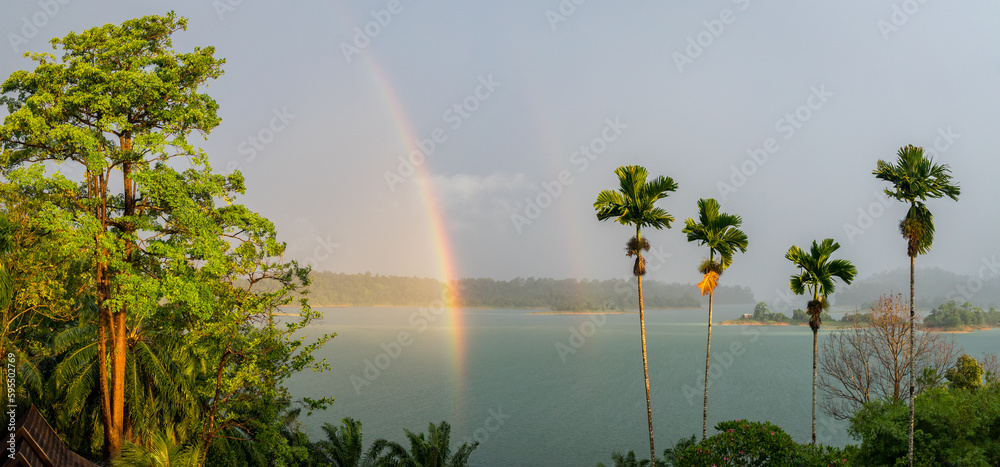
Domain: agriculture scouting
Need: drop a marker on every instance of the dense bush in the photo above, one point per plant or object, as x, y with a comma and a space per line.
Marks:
746, 443
951, 427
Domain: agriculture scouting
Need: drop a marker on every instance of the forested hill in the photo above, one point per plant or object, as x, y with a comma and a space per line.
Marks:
934, 287
338, 289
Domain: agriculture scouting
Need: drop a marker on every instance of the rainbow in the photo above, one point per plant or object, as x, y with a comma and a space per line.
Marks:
446, 259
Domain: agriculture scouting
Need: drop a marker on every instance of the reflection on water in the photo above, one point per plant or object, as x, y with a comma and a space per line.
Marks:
534, 388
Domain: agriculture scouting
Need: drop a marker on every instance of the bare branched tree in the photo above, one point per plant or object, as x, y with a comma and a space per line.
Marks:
869, 360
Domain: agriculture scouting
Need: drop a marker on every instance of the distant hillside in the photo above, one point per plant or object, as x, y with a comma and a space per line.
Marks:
338, 289
934, 287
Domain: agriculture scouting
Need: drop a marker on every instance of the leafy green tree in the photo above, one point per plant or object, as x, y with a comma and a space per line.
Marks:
953, 427
121, 103
746, 443
817, 271
915, 178
967, 374
633, 205
721, 233
432, 450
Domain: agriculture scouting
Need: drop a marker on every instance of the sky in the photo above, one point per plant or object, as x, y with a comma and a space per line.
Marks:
470, 139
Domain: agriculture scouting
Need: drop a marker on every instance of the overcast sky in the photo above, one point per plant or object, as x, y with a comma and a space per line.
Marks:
320, 100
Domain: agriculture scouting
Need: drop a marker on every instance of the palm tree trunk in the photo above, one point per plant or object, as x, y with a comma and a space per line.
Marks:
708, 354
909, 454
814, 386
645, 374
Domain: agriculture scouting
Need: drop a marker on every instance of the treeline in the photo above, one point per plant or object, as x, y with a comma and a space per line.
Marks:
951, 315
339, 289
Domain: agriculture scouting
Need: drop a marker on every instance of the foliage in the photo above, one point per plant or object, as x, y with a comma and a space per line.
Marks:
952, 316
762, 313
951, 427
721, 233
339, 289
966, 374
150, 238
625, 460
163, 452
343, 445
430, 450
915, 179
746, 443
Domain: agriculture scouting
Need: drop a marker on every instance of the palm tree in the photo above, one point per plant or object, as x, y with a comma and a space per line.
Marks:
816, 274
343, 446
633, 205
916, 178
720, 231
163, 451
622, 460
433, 450
159, 382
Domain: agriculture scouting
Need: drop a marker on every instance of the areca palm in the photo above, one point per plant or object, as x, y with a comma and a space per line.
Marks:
916, 178
633, 205
721, 232
432, 450
816, 277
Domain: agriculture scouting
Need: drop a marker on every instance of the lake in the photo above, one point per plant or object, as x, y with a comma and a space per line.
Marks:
567, 390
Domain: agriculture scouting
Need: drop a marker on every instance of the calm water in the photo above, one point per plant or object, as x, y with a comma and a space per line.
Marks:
535, 393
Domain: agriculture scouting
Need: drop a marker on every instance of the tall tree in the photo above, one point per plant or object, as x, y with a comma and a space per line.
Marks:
914, 179
721, 233
121, 104
633, 205
817, 272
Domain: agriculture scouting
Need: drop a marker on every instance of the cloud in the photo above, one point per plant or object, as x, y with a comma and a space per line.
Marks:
472, 202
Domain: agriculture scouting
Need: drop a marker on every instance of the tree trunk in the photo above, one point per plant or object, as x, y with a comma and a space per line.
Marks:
909, 454
645, 374
118, 386
708, 355
815, 331
103, 324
